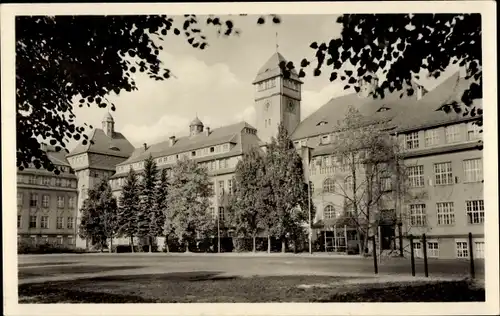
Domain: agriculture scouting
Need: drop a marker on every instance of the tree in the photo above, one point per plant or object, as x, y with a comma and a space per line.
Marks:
402, 47
160, 207
188, 202
367, 156
248, 196
99, 215
289, 193
129, 207
66, 60
146, 216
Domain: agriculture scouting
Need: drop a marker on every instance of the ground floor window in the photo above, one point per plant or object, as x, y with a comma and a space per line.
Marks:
479, 249
462, 248
70, 240
433, 249
59, 240
44, 240
33, 240
417, 248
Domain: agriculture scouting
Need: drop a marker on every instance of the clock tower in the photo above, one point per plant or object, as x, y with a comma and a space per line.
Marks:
276, 99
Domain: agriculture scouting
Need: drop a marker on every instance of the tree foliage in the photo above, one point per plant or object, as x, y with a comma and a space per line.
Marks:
66, 60
400, 47
146, 216
157, 228
188, 202
248, 203
99, 215
129, 207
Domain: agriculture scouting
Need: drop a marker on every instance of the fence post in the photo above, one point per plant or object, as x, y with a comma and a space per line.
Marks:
412, 256
426, 267
374, 251
471, 257
400, 233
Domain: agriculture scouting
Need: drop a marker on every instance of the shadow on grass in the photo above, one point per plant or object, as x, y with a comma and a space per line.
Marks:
58, 270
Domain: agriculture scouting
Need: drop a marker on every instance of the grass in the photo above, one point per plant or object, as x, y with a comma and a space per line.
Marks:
61, 268
212, 287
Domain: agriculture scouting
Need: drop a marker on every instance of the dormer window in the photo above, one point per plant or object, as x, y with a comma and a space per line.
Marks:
114, 148
193, 153
322, 123
212, 149
383, 109
325, 139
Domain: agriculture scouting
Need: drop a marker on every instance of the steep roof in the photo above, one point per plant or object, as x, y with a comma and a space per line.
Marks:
327, 118
57, 158
101, 143
424, 112
230, 133
272, 69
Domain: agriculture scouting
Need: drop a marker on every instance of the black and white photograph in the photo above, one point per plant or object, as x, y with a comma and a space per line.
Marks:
222, 153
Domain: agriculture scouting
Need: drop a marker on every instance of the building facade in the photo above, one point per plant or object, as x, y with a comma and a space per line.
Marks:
47, 204
441, 152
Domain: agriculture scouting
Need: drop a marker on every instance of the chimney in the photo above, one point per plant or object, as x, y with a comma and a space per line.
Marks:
207, 131
172, 140
145, 146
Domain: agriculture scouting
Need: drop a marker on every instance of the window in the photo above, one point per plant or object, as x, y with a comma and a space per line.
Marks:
193, 153
60, 201
34, 200
416, 176
32, 180
44, 223
212, 212
417, 247
19, 199
417, 214
221, 213
431, 137
433, 249
226, 147
443, 173
386, 184
45, 201
473, 170
19, 221
72, 202
349, 211
348, 184
33, 240
46, 181
452, 133
32, 221
71, 223
221, 187
445, 213
70, 240
230, 186
59, 223
475, 212
411, 140
329, 186
329, 212
462, 248
59, 240
58, 182
479, 249
311, 187
473, 131
212, 188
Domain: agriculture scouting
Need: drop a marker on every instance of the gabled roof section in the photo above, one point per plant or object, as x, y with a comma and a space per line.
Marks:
328, 117
101, 143
57, 158
234, 133
272, 69
424, 112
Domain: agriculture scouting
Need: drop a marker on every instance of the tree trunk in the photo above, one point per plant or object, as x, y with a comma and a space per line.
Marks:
187, 247
150, 241
360, 243
132, 243
254, 240
166, 244
111, 245
268, 243
283, 245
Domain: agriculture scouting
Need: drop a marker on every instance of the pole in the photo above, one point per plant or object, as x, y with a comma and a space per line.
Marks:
218, 231
335, 245
310, 223
345, 237
471, 257
325, 239
400, 233
426, 266
374, 250
412, 256
379, 230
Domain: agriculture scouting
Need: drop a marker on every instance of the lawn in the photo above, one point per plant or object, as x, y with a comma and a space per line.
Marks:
213, 287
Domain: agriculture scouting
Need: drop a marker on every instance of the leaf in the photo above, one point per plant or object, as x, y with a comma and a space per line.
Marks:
261, 20
317, 72
304, 63
302, 74
333, 76
314, 45
346, 87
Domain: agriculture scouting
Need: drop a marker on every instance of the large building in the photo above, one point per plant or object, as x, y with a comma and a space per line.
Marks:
47, 203
441, 151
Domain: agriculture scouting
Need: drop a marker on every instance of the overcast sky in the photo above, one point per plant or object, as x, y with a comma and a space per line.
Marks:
215, 83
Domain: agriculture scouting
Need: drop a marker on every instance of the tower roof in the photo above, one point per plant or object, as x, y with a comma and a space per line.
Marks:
108, 117
196, 122
272, 69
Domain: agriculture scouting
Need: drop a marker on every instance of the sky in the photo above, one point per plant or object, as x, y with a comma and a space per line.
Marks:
215, 84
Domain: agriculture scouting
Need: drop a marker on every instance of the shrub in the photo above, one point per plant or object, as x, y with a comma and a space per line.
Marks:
242, 244
28, 248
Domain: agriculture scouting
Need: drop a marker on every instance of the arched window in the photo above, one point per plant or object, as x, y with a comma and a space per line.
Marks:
329, 212
329, 186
